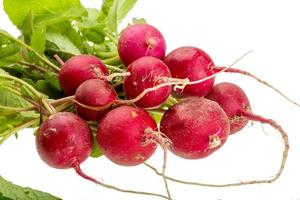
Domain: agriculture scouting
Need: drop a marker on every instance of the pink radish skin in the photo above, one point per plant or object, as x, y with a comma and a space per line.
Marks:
94, 93
145, 73
194, 64
140, 40
121, 135
79, 69
64, 140
197, 127
232, 99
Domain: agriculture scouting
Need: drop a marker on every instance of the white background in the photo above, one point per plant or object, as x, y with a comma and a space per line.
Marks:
225, 29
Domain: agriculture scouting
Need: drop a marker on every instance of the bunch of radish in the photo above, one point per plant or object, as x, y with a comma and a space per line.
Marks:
198, 115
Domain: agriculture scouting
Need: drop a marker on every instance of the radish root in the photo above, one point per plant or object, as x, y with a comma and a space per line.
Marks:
160, 138
83, 175
252, 117
234, 70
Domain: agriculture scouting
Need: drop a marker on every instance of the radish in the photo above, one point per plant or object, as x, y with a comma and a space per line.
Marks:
196, 126
122, 135
194, 64
96, 93
235, 103
127, 136
79, 69
64, 141
232, 99
145, 73
140, 40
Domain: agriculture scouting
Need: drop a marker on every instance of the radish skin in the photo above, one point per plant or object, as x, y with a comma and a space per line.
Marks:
196, 126
140, 40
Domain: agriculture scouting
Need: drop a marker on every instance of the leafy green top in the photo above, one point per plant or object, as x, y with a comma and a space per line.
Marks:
10, 191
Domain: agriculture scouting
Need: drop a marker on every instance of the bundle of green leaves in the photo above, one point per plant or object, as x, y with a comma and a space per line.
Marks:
28, 70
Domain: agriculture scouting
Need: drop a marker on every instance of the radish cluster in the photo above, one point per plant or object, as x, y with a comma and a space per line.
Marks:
198, 125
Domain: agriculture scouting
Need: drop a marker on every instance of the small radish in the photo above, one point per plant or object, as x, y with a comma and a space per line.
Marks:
196, 126
232, 99
194, 64
122, 135
64, 141
140, 40
146, 72
94, 93
79, 69
235, 103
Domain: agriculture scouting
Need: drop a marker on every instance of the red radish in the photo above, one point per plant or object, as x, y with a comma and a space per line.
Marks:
235, 103
64, 141
79, 69
121, 135
196, 126
232, 99
140, 40
145, 73
194, 64
94, 93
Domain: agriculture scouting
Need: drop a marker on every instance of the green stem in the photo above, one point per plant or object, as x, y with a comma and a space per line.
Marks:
33, 90
46, 61
7, 108
107, 54
112, 38
112, 61
62, 100
63, 106
18, 128
157, 115
114, 68
32, 66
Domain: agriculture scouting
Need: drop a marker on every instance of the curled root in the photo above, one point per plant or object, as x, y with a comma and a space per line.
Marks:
234, 70
83, 175
253, 117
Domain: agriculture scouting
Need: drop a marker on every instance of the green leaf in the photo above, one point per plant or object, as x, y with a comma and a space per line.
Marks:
17, 10
112, 18
117, 12
45, 87
38, 39
124, 7
27, 27
53, 80
10, 191
62, 42
37, 42
7, 47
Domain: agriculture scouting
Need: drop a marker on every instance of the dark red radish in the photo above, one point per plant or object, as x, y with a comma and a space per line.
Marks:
194, 64
196, 126
121, 135
79, 69
232, 99
146, 72
94, 93
140, 40
235, 103
64, 141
